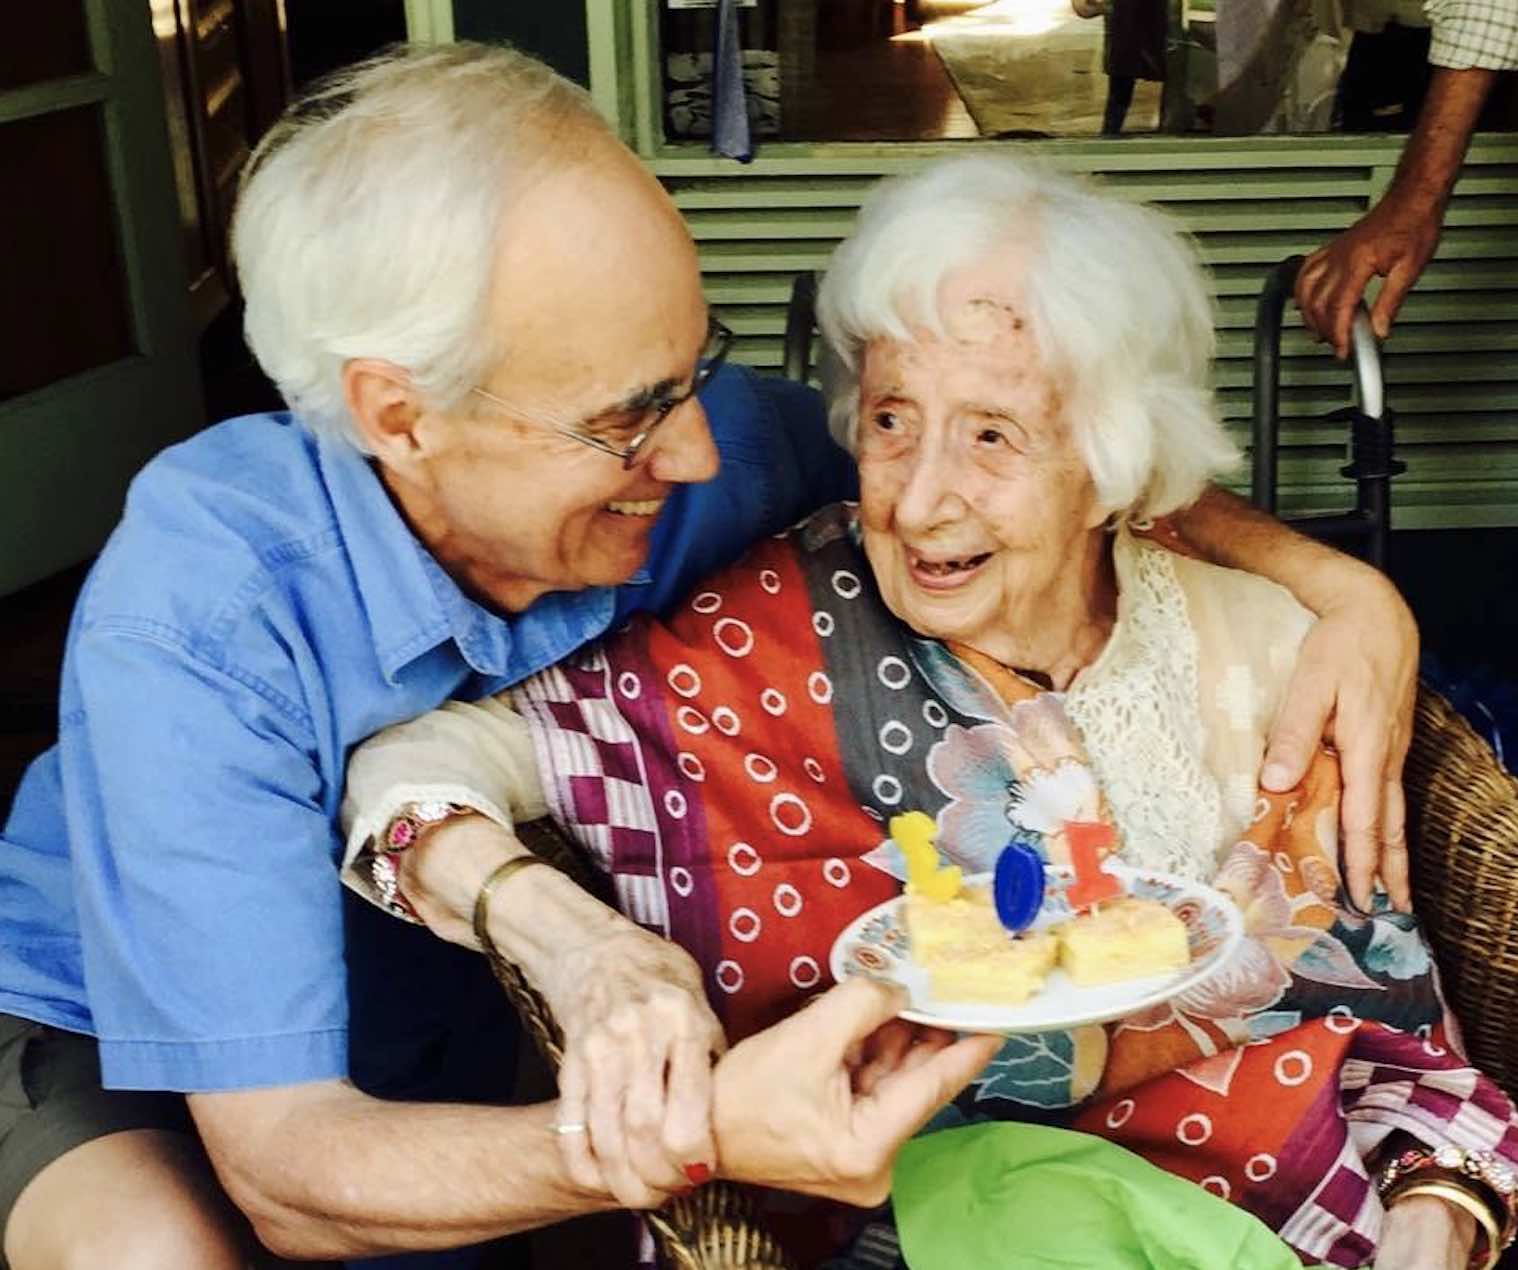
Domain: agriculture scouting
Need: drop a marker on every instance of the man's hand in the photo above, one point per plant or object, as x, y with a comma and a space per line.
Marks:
1394, 240
1356, 682
822, 1102
1422, 1232
639, 1039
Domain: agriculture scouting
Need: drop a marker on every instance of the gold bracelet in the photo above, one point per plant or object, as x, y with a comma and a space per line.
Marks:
487, 889
1464, 1200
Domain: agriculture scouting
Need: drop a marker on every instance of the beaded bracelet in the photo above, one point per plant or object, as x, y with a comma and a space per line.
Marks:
1479, 1175
406, 828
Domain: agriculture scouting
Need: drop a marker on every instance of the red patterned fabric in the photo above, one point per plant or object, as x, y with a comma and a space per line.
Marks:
732, 767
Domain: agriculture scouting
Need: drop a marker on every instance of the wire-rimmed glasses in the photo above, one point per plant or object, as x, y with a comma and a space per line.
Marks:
636, 419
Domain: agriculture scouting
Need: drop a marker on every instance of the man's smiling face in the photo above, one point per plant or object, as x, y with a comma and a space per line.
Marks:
598, 309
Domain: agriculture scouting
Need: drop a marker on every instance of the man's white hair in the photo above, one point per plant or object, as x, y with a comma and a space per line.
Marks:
368, 218
1114, 293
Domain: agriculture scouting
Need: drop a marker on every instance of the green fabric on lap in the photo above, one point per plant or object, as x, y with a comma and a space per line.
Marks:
1030, 1197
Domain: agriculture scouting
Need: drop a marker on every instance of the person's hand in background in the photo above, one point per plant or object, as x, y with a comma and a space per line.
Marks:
1394, 241
1396, 238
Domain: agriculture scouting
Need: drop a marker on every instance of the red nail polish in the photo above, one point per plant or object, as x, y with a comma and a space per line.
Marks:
699, 1174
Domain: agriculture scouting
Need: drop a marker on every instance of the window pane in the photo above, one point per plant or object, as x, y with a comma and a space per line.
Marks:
63, 306
863, 70
44, 39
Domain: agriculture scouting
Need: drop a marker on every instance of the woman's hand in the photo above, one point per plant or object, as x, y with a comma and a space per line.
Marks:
822, 1102
1422, 1232
639, 1040
639, 1035
1356, 682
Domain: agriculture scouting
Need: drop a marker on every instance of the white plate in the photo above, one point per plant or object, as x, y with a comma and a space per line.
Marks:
876, 943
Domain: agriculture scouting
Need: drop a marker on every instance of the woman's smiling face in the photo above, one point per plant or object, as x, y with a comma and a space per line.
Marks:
974, 497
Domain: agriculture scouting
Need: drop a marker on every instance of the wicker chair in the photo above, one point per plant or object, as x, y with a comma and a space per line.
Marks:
1463, 825
1463, 830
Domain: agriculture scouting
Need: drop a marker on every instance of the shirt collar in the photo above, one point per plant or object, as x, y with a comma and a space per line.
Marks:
413, 605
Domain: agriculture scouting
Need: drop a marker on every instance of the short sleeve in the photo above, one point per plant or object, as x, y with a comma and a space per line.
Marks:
205, 870
779, 464
811, 469
1474, 34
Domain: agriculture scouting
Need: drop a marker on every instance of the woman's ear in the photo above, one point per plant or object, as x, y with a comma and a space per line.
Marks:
384, 408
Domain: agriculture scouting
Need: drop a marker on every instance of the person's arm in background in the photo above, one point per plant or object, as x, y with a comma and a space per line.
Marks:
1396, 238
1472, 40
1355, 682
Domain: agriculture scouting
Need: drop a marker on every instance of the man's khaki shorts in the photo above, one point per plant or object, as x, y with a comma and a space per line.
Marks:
51, 1101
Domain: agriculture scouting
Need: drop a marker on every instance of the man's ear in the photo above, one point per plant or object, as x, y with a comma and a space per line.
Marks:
384, 408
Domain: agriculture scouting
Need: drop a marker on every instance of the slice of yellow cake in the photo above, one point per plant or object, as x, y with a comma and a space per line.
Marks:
1126, 939
1004, 975
968, 917
968, 953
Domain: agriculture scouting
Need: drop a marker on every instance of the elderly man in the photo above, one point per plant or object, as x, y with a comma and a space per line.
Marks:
487, 319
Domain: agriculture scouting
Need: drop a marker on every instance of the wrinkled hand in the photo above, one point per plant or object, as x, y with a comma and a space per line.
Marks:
822, 1102
1355, 683
1422, 1232
639, 1038
1394, 240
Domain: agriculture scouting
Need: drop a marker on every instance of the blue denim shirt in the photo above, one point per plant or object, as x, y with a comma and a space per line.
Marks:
168, 875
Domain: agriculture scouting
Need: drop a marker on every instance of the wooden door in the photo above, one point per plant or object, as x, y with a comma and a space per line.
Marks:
97, 368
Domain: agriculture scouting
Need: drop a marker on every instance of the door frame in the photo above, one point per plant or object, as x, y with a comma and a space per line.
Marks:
70, 448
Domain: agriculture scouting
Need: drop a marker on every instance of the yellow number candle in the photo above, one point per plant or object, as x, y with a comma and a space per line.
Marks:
914, 832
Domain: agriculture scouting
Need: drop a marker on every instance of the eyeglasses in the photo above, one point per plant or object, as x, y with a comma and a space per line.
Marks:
636, 420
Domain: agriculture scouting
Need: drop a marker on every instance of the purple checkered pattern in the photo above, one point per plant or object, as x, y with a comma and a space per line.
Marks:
1342, 1217
593, 770
1395, 1081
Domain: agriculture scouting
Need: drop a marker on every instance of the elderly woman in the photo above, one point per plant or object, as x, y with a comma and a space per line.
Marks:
999, 636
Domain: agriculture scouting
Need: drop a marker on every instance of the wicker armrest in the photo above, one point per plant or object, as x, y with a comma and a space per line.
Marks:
1463, 835
715, 1227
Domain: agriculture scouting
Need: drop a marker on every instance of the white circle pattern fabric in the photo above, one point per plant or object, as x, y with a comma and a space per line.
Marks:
761, 769
743, 860
739, 645
683, 680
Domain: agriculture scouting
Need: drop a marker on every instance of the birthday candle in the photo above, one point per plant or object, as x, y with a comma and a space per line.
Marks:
1087, 840
914, 832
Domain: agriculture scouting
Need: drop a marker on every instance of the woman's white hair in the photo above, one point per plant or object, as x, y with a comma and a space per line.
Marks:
1114, 293
367, 221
